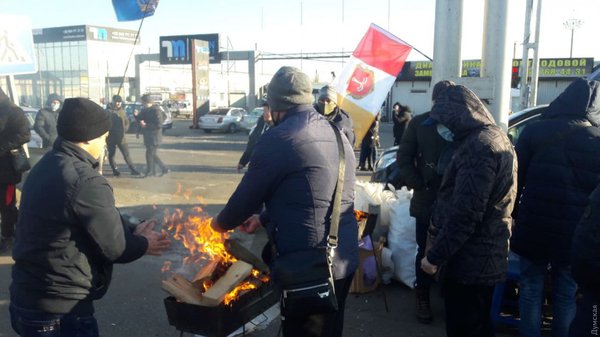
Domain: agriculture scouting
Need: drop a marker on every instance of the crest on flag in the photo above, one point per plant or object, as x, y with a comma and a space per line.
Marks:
361, 83
129, 10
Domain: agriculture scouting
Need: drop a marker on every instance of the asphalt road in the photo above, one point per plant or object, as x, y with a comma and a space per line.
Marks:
203, 172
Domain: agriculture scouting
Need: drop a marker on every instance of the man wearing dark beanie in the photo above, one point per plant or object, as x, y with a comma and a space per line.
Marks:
69, 233
294, 171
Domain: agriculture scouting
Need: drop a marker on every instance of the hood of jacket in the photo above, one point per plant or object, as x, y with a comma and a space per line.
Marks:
459, 109
580, 99
53, 97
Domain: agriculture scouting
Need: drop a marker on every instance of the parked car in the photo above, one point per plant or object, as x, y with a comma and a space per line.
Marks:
35, 143
250, 119
133, 109
222, 119
180, 108
386, 169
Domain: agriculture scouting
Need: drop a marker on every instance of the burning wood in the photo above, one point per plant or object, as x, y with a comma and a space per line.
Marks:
226, 267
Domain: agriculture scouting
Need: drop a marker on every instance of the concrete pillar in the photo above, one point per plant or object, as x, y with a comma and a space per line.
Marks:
495, 61
447, 61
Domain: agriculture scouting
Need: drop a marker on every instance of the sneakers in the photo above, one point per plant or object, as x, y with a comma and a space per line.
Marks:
116, 173
135, 172
6, 244
423, 307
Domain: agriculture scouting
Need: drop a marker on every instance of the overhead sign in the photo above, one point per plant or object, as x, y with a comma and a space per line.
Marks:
83, 33
17, 55
178, 49
549, 68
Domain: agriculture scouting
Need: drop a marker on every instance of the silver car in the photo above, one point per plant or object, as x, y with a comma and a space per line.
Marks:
222, 119
250, 119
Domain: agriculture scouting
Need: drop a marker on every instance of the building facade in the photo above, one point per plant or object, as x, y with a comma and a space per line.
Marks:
79, 61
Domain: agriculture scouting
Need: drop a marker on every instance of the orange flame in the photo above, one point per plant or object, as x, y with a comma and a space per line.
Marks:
235, 293
360, 215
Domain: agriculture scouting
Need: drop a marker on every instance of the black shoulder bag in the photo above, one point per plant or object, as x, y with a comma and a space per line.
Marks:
305, 276
20, 160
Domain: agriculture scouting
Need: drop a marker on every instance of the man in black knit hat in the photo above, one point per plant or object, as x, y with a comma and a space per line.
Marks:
116, 137
70, 233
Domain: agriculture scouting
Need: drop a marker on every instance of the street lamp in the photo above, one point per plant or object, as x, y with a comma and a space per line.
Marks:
572, 24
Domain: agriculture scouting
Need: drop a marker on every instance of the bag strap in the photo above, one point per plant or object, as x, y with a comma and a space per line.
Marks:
332, 239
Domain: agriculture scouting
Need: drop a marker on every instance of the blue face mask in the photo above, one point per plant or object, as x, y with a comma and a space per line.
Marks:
444, 132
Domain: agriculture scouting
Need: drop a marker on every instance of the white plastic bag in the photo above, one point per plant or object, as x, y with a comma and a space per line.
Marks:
401, 239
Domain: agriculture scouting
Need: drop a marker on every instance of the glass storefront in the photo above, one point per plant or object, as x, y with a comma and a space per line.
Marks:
77, 61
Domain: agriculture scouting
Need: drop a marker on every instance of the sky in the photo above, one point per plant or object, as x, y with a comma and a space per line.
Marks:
295, 26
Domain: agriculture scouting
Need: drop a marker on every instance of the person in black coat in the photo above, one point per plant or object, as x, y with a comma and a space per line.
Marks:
418, 157
45, 120
368, 147
327, 106
151, 118
116, 136
585, 266
14, 132
262, 125
69, 232
559, 167
472, 211
294, 171
401, 115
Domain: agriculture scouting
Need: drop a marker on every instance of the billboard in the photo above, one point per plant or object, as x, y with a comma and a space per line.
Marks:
178, 49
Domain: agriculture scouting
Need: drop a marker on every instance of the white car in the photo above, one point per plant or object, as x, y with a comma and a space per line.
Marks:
250, 119
222, 119
36, 140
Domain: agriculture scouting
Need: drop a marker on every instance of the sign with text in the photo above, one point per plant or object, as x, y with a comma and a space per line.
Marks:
17, 55
200, 69
178, 49
549, 68
83, 33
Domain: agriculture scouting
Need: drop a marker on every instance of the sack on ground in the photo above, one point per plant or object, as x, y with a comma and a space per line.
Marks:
306, 283
401, 241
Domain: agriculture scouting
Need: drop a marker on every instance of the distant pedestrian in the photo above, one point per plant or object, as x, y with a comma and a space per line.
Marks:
559, 167
401, 115
421, 170
368, 147
327, 106
472, 212
14, 132
45, 120
116, 136
262, 125
151, 118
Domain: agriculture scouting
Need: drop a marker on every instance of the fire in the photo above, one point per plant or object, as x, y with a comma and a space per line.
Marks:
204, 244
360, 215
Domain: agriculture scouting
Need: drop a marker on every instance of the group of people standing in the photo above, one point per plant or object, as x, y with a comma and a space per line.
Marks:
474, 194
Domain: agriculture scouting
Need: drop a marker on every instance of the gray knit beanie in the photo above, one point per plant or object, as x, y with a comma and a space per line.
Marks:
328, 92
289, 87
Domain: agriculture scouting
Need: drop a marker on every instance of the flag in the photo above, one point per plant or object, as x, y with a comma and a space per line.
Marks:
368, 76
129, 10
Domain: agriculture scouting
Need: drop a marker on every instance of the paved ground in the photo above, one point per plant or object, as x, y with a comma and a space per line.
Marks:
203, 170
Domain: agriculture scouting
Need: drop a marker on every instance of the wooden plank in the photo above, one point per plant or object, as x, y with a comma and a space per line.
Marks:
182, 289
238, 271
235, 248
206, 272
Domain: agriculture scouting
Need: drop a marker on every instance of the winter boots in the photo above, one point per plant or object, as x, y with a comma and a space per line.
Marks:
423, 306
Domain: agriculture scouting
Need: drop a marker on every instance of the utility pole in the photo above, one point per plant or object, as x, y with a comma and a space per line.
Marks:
571, 25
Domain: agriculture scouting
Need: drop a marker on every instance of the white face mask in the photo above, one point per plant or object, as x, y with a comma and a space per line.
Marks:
55, 106
444, 132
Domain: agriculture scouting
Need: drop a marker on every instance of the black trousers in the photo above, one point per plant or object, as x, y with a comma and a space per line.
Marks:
152, 159
468, 309
586, 321
8, 210
424, 280
325, 325
112, 150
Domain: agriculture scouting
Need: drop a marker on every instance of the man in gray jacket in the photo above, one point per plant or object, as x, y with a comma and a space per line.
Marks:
45, 120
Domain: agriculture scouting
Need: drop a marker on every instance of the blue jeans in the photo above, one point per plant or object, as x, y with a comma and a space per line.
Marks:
531, 295
33, 323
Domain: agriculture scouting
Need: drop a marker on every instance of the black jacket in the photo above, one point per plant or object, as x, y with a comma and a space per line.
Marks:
297, 188
559, 167
400, 119
586, 258
69, 234
120, 125
417, 158
153, 117
261, 127
45, 122
476, 197
14, 132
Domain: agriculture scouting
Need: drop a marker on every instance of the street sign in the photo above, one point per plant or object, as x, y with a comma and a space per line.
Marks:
17, 55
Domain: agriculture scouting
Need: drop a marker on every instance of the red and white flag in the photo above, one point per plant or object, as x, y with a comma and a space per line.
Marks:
367, 78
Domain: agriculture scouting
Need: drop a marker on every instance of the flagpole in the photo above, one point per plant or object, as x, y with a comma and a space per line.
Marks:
137, 34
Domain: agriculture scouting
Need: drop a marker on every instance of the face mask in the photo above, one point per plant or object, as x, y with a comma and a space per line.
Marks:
328, 108
55, 106
444, 132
